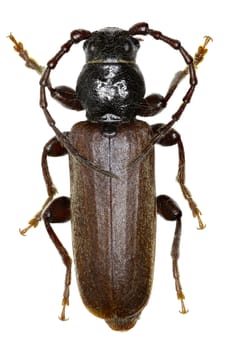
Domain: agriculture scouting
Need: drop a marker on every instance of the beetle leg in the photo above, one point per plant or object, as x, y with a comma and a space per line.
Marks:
154, 103
170, 139
169, 210
151, 105
63, 94
53, 148
29, 61
57, 212
66, 96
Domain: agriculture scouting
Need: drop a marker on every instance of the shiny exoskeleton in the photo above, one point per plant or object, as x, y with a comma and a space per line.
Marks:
113, 202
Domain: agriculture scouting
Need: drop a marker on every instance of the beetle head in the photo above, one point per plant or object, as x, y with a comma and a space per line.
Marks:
111, 45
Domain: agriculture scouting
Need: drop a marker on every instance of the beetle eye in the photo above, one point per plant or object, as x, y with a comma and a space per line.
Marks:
127, 46
89, 46
92, 47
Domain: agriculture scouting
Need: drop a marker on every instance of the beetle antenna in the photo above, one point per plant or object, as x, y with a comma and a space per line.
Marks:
76, 37
198, 58
32, 64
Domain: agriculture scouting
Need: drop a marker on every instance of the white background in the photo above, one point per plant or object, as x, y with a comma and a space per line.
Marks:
32, 273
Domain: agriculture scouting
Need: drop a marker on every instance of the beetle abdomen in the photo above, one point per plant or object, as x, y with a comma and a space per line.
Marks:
113, 222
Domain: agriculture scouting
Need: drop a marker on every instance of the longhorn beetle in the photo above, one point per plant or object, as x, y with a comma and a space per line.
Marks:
113, 203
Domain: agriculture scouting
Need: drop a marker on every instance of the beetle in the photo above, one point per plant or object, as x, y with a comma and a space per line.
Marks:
113, 204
